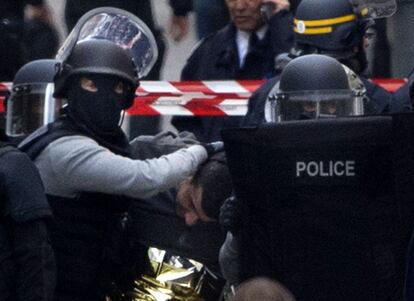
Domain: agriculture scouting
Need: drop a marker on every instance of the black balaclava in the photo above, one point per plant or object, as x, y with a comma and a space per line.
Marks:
100, 111
97, 114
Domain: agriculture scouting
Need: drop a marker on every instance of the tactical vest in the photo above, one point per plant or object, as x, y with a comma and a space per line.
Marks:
331, 204
83, 233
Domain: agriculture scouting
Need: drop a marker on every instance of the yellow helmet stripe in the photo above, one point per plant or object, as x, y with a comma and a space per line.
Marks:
327, 22
315, 31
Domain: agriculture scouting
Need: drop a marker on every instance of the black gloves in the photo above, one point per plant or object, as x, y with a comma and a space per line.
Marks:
213, 147
233, 215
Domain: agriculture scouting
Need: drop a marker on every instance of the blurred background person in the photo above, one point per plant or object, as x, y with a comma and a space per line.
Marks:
41, 39
211, 15
24, 38
401, 39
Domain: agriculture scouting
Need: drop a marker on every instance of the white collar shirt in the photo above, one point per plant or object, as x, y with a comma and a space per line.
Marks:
242, 41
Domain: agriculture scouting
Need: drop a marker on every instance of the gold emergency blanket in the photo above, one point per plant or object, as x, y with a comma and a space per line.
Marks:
172, 278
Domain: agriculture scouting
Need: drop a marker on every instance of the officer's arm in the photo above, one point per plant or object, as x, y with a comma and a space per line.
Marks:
80, 164
26, 213
149, 147
34, 260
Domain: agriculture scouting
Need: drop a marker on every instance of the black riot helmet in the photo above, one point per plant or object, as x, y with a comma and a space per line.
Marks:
336, 27
328, 25
98, 57
312, 87
31, 104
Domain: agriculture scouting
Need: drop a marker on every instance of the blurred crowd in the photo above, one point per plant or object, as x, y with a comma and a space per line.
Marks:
29, 31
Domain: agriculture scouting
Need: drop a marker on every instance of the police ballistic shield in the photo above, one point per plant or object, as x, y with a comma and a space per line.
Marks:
330, 204
117, 26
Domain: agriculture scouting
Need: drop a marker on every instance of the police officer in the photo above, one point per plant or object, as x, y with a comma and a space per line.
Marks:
27, 263
83, 157
31, 103
336, 29
27, 268
310, 87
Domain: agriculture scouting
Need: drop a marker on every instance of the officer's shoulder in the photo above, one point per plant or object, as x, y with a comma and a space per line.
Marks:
7, 149
12, 157
268, 85
74, 142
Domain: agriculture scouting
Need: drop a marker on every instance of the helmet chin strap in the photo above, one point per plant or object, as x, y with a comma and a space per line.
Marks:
121, 121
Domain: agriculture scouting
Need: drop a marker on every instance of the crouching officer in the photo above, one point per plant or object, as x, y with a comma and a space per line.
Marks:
27, 262
83, 157
331, 91
328, 199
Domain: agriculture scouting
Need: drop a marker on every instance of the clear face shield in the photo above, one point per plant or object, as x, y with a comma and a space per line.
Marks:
374, 9
29, 107
117, 26
306, 105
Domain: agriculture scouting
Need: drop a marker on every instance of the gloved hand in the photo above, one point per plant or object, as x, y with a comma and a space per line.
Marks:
233, 215
213, 147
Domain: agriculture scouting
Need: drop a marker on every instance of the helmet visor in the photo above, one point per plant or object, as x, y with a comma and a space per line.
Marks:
315, 105
29, 108
119, 27
375, 8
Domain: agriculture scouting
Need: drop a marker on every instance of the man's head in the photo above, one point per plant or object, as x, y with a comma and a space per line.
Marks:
262, 289
99, 81
312, 87
246, 14
201, 197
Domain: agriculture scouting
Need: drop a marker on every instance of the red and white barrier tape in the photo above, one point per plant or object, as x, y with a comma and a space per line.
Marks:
199, 98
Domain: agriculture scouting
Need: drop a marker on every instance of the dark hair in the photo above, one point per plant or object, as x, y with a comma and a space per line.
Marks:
214, 179
264, 289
